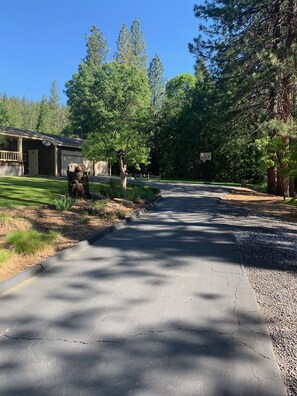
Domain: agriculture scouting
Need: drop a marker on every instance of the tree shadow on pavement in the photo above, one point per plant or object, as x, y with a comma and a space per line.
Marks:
134, 314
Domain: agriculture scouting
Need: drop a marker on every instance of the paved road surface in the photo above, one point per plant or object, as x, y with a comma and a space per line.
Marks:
161, 307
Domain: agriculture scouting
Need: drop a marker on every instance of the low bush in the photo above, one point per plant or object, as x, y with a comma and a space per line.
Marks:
29, 242
112, 189
63, 202
147, 193
97, 208
84, 217
101, 209
120, 214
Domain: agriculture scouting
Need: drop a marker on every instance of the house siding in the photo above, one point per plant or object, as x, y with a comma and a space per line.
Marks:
46, 157
11, 168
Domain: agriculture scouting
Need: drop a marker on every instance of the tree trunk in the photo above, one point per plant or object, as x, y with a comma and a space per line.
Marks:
287, 94
272, 180
123, 169
272, 173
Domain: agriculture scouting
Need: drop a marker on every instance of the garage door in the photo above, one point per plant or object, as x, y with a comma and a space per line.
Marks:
70, 157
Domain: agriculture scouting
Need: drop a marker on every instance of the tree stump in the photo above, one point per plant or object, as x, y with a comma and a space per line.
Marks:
78, 182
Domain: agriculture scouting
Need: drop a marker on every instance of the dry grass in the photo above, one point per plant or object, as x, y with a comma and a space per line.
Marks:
69, 224
270, 204
10, 222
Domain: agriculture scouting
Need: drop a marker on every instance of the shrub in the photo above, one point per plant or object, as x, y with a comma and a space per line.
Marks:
141, 192
119, 214
4, 255
84, 217
29, 242
100, 208
63, 202
112, 189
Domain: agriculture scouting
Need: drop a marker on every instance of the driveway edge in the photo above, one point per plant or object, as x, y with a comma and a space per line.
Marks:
49, 262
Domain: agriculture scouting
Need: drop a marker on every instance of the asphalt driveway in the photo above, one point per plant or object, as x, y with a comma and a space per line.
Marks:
161, 307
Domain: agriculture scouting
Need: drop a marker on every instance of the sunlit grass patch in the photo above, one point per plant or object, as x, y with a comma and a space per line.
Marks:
29, 242
5, 255
291, 201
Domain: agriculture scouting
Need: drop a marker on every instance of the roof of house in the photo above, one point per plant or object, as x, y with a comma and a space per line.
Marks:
57, 140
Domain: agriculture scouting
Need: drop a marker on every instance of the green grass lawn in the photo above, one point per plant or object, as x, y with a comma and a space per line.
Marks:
33, 191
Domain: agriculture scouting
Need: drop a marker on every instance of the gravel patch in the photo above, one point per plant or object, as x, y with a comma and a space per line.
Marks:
268, 247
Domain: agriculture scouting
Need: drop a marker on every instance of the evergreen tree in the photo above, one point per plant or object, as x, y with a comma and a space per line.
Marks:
43, 121
78, 89
81, 107
124, 52
54, 98
54, 107
4, 114
138, 45
157, 82
28, 114
174, 136
97, 49
157, 85
251, 53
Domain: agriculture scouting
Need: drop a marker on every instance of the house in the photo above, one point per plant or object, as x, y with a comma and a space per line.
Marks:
35, 153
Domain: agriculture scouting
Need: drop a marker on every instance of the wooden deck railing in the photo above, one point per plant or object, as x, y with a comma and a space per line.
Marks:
9, 155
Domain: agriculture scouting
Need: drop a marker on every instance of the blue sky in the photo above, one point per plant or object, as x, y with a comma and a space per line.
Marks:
44, 40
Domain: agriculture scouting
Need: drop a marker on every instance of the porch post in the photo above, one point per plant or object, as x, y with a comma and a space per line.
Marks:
56, 160
20, 149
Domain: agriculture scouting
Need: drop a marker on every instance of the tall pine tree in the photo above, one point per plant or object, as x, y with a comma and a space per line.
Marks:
97, 49
43, 121
78, 89
250, 48
156, 82
138, 45
124, 47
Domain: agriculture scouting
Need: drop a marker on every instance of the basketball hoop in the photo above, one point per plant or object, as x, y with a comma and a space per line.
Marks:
205, 157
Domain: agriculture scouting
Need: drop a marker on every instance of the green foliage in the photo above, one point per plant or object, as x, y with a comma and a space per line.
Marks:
98, 207
57, 113
2, 138
96, 48
29, 242
131, 46
84, 217
108, 213
112, 189
124, 48
138, 46
47, 116
119, 214
43, 121
5, 255
251, 54
291, 202
156, 82
63, 202
121, 98
146, 193
80, 92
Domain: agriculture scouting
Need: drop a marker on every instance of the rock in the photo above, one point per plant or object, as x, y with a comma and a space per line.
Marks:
97, 196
